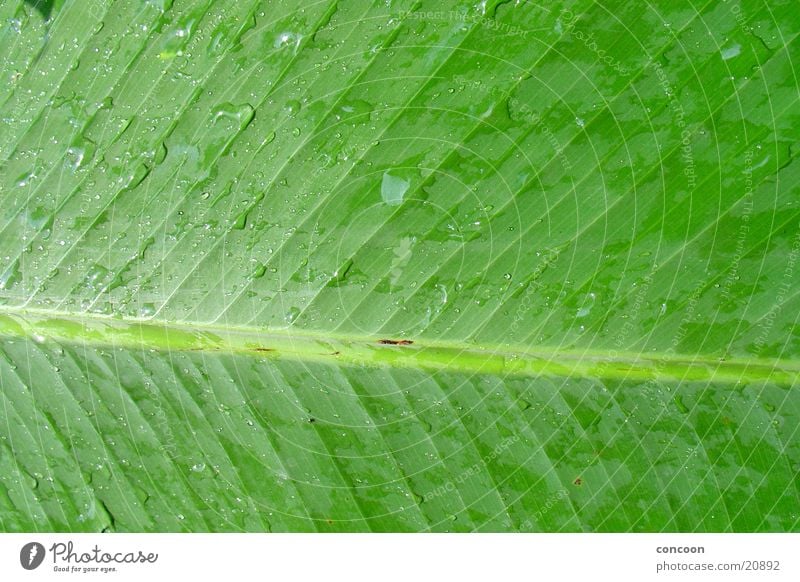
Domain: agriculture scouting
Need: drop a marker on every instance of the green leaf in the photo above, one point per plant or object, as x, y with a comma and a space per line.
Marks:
404, 266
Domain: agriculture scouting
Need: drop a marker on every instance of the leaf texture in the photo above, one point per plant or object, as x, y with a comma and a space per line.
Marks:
401, 266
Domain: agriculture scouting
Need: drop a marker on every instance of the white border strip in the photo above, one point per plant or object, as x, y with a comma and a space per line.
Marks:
401, 557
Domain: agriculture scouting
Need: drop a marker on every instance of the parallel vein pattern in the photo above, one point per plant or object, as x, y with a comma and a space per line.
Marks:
408, 265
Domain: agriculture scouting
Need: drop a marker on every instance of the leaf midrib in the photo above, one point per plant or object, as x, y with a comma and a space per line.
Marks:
41, 325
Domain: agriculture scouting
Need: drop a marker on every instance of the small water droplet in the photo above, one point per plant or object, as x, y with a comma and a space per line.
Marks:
292, 314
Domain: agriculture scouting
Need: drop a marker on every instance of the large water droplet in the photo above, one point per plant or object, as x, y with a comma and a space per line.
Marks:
288, 39
393, 189
730, 52
242, 114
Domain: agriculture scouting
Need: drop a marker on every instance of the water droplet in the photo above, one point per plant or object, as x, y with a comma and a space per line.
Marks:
679, 403
731, 52
288, 39
587, 306
393, 189
74, 158
147, 310
10, 276
341, 273
135, 176
242, 114
95, 276
292, 314
268, 139
25, 179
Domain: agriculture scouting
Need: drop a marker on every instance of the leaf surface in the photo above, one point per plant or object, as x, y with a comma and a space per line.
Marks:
346, 266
